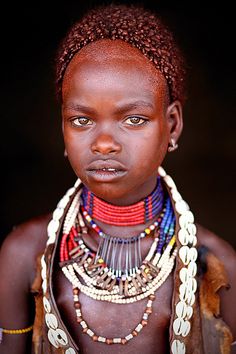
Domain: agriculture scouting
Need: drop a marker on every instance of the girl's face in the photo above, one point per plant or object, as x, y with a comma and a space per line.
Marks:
117, 122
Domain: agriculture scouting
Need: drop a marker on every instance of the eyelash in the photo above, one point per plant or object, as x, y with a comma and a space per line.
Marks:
80, 119
143, 121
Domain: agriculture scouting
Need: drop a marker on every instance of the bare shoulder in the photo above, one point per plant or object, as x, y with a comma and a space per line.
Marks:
18, 267
227, 255
218, 246
24, 243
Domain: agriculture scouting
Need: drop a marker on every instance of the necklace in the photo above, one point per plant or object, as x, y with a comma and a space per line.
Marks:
187, 255
138, 213
103, 277
114, 266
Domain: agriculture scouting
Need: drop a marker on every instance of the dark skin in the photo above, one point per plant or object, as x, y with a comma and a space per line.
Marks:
116, 115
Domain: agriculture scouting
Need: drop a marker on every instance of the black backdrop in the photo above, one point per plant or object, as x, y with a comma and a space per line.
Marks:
33, 170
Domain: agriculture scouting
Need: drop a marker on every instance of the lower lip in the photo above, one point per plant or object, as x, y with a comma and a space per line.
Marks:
106, 176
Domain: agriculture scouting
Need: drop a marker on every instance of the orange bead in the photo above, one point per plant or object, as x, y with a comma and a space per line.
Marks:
123, 341
149, 310
144, 323
95, 338
109, 341
134, 333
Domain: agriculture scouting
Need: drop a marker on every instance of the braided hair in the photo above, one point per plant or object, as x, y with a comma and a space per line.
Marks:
135, 25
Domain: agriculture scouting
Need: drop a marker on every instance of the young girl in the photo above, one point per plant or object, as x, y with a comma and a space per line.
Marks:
120, 265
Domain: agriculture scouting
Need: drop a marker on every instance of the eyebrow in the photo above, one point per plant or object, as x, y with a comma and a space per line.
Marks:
119, 109
132, 105
79, 108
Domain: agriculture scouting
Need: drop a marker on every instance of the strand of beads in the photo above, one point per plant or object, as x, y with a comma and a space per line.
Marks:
144, 233
98, 275
117, 340
138, 213
144, 285
165, 222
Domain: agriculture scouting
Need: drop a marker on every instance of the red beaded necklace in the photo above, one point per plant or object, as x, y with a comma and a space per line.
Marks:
135, 214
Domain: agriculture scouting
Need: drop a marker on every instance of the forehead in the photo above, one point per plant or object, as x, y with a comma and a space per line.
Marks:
113, 65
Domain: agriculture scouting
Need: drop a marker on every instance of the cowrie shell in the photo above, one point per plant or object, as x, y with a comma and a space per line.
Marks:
43, 263
185, 328
57, 214
51, 320
186, 218
176, 195
177, 324
183, 275
51, 239
63, 202
70, 351
192, 254
178, 347
181, 327
192, 229
61, 337
183, 237
190, 299
161, 171
52, 338
183, 291
192, 285
181, 309
43, 269
184, 254
77, 183
192, 240
43, 273
169, 181
189, 312
70, 191
52, 227
181, 206
46, 304
44, 286
192, 268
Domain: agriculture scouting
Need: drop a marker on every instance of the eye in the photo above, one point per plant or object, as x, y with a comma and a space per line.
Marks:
136, 121
81, 121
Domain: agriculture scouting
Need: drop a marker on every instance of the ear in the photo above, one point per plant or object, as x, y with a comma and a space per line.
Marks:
174, 115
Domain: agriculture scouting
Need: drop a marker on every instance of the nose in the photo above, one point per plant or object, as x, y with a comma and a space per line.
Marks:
105, 144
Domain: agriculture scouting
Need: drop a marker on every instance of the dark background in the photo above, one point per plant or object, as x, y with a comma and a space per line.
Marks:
33, 170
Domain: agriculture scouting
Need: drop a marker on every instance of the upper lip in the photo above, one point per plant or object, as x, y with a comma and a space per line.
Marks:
105, 164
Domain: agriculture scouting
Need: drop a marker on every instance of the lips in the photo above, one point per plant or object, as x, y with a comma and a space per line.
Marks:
106, 170
106, 165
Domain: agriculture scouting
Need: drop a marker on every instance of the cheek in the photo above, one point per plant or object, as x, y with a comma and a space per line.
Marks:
151, 148
73, 141
76, 148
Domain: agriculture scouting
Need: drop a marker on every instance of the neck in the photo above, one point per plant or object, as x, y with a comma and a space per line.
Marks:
138, 213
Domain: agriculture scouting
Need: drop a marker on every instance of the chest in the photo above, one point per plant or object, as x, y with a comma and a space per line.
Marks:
111, 320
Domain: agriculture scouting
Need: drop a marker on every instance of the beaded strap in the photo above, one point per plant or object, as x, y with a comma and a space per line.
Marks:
14, 331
